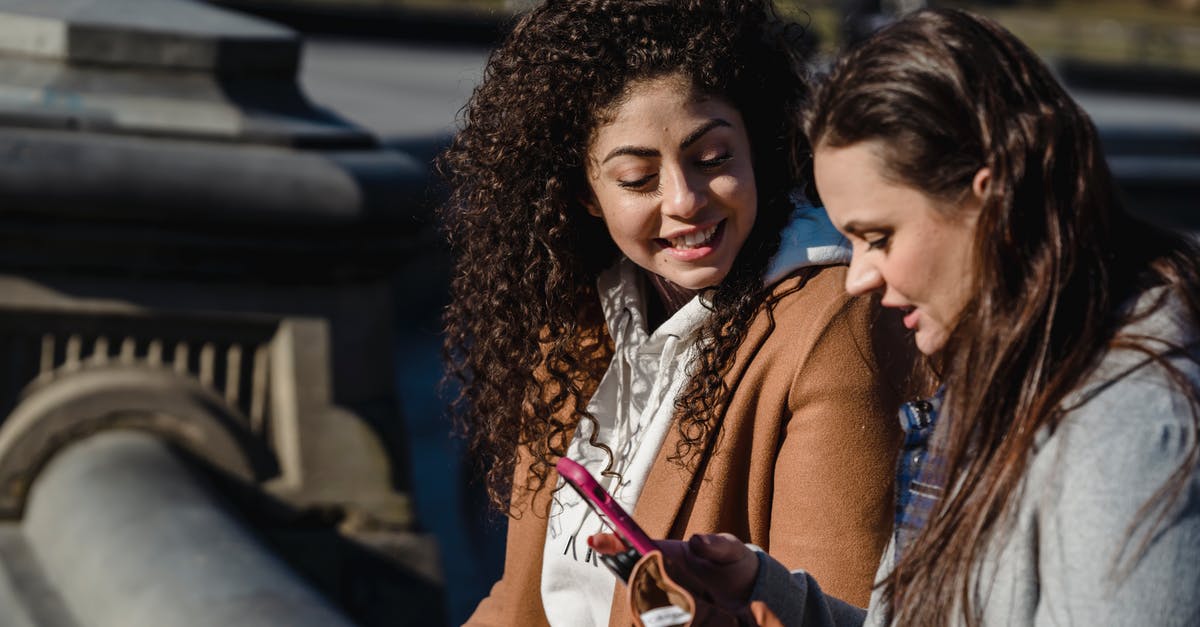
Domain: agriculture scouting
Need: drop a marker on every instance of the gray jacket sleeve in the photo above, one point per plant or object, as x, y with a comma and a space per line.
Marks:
1084, 547
1101, 559
797, 600
1093, 538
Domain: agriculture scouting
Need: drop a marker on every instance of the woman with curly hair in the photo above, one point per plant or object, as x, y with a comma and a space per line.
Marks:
638, 287
1056, 478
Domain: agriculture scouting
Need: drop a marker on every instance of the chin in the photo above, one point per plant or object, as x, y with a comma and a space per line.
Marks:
930, 342
697, 280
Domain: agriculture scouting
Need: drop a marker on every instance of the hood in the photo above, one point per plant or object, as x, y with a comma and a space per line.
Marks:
809, 239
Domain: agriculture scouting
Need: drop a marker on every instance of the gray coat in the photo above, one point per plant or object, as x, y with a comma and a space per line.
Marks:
1083, 491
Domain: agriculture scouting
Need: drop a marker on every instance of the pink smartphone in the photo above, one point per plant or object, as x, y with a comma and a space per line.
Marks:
612, 514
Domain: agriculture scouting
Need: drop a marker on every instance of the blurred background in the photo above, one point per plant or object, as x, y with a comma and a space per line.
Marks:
1133, 64
374, 89
402, 68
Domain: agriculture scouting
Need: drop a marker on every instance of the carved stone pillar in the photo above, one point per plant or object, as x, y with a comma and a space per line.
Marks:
190, 248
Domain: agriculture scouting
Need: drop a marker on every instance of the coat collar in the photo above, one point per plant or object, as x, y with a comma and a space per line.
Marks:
808, 241
670, 483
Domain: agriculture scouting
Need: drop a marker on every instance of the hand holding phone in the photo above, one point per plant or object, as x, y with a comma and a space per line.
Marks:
613, 515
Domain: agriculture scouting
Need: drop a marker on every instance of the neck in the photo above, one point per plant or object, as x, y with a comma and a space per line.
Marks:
671, 298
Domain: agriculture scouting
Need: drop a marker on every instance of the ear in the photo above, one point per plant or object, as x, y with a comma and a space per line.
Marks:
588, 200
980, 184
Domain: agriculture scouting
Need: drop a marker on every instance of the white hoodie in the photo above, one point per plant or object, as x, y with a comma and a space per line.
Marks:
634, 406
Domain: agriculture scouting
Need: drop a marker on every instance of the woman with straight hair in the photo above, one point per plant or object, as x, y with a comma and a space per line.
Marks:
1053, 480
638, 286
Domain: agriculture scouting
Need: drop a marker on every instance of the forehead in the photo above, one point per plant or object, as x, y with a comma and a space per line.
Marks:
667, 85
850, 180
858, 194
657, 106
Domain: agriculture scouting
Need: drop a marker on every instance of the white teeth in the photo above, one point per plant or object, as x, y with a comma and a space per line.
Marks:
693, 239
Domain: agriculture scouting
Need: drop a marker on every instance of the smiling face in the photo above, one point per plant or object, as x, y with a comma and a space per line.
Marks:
906, 245
671, 175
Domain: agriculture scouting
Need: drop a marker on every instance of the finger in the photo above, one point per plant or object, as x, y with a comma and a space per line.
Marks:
674, 550
763, 616
718, 548
606, 544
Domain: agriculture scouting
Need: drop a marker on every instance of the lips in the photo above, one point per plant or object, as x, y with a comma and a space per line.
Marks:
694, 245
695, 239
912, 316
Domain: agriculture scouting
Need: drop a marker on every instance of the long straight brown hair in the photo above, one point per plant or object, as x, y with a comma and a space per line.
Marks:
947, 93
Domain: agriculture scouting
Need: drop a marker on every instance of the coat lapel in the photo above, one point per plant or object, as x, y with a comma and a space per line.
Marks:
667, 488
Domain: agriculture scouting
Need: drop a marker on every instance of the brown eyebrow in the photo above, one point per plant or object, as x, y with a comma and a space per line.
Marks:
855, 227
630, 150
693, 137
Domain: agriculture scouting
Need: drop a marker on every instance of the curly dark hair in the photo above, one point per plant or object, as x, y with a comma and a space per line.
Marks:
525, 337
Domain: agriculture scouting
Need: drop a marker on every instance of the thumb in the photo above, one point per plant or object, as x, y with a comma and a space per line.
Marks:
719, 548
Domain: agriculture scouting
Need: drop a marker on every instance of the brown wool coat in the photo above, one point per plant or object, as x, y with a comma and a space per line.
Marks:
803, 465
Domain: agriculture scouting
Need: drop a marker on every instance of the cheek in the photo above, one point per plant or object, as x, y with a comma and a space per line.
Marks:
909, 273
749, 197
935, 283
739, 194
626, 220
957, 271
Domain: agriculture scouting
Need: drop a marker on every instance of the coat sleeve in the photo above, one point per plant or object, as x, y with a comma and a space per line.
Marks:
516, 599
832, 508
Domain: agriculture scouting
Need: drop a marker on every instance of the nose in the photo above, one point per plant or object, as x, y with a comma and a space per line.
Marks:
683, 196
862, 277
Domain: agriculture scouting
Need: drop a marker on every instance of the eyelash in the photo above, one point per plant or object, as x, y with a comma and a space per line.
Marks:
878, 243
715, 162
638, 183
705, 164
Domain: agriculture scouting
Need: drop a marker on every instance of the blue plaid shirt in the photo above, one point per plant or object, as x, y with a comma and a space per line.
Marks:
920, 475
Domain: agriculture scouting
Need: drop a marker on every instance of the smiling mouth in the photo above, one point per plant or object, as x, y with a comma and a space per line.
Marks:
693, 240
